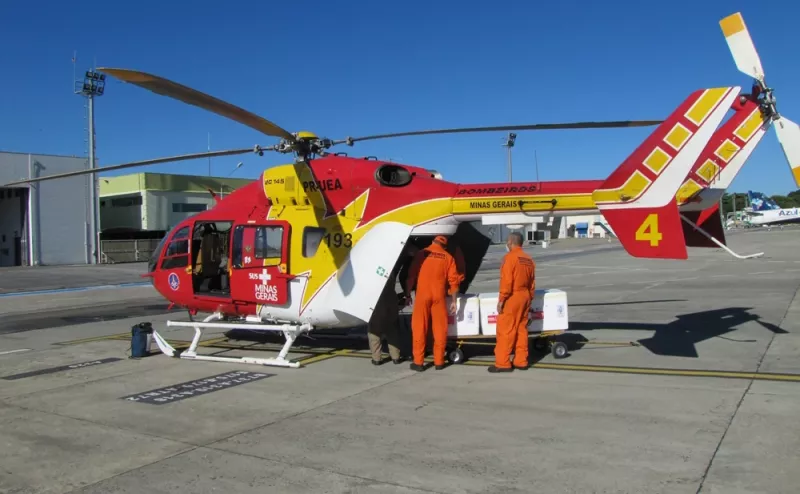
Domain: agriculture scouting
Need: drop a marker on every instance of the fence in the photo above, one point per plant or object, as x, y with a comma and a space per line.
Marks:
119, 251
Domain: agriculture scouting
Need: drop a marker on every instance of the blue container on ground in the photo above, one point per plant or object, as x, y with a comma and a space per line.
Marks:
139, 336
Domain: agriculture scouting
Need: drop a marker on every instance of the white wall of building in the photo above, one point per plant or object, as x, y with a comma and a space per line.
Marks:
162, 210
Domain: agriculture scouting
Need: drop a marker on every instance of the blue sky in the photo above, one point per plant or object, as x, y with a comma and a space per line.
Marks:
358, 67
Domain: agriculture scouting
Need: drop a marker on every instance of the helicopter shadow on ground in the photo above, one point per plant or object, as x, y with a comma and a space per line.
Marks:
678, 338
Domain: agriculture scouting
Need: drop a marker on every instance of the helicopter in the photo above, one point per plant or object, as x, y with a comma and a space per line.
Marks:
310, 244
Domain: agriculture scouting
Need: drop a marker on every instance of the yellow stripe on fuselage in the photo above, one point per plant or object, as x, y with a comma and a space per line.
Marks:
523, 203
630, 190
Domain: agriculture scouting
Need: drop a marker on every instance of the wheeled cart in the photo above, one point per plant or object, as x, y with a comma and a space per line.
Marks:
474, 323
539, 342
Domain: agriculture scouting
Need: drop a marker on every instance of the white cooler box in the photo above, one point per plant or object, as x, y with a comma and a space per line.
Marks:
548, 312
466, 321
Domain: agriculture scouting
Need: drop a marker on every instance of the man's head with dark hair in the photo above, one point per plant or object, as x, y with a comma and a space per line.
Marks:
514, 240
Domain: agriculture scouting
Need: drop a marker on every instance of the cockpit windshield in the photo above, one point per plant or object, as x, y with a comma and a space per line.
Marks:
156, 255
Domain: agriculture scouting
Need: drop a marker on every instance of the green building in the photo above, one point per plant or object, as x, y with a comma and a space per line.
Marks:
155, 202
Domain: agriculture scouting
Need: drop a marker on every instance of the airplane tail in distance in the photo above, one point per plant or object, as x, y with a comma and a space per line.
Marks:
759, 202
639, 198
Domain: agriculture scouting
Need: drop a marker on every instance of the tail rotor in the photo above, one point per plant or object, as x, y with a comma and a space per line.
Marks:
747, 61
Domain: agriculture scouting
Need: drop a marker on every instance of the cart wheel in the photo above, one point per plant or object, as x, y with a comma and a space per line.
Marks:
540, 344
559, 349
456, 356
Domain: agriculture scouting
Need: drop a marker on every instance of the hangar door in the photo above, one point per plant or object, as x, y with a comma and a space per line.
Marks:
13, 233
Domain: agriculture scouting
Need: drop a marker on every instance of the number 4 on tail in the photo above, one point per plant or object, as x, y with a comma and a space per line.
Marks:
648, 230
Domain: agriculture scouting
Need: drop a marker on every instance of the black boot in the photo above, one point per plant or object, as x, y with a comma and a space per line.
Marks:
494, 369
415, 367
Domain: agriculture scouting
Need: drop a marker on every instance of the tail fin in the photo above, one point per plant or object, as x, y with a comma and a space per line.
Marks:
718, 164
760, 202
723, 157
638, 198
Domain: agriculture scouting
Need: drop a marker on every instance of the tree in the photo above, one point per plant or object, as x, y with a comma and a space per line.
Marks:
727, 202
784, 201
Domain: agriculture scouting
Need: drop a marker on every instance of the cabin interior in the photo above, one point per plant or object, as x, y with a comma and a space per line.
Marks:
210, 253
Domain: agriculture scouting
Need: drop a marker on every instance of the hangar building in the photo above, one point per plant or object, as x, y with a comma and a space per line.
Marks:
137, 210
47, 222
155, 202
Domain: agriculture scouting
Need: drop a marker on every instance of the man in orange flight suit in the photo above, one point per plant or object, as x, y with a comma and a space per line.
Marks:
517, 285
458, 256
435, 274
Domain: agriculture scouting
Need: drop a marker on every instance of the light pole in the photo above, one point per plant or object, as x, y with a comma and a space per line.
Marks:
93, 84
510, 144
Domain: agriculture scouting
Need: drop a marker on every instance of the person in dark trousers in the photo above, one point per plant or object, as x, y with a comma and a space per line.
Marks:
383, 323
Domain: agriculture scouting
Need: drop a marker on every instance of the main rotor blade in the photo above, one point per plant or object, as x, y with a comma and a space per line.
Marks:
741, 45
165, 87
155, 161
576, 125
788, 134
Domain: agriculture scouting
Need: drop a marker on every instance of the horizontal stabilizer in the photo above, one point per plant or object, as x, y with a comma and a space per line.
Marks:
710, 221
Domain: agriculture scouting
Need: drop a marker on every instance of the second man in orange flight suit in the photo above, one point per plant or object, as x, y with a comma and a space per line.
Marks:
517, 287
435, 274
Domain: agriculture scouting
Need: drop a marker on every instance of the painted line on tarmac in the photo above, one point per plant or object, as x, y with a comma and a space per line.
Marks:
326, 356
120, 336
660, 371
76, 289
616, 369
61, 368
18, 350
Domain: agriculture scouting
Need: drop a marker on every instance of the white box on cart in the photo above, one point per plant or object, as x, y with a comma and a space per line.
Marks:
466, 321
548, 312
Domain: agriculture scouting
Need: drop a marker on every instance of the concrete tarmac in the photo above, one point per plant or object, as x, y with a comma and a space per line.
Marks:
683, 376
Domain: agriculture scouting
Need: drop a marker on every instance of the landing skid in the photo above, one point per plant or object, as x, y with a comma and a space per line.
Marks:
720, 244
290, 332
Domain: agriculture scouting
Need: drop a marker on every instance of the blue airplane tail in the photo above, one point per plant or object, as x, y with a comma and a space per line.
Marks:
760, 202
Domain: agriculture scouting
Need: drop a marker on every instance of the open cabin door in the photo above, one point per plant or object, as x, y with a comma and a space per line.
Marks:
260, 263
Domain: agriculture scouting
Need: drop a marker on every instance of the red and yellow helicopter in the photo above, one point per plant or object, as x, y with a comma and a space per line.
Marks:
310, 244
